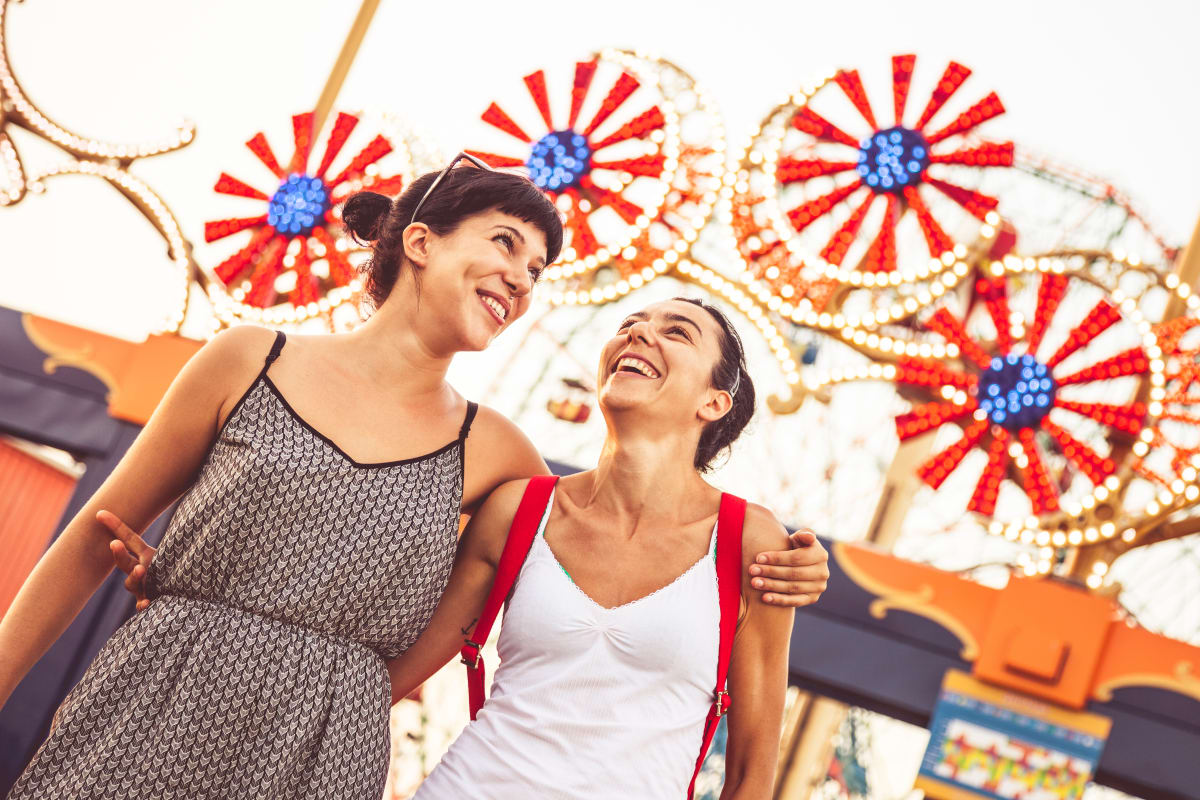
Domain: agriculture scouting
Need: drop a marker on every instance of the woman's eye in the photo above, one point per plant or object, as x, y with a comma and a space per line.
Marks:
504, 237
680, 331
624, 325
534, 274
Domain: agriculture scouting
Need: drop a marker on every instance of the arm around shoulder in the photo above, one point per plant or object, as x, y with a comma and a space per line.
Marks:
474, 571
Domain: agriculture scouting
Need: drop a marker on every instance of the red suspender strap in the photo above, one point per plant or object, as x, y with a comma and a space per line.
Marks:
729, 590
516, 547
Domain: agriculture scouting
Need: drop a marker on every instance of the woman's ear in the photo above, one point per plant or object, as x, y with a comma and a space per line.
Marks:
417, 238
718, 404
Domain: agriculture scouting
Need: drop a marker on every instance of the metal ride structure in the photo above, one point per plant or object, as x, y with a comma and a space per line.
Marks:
973, 333
109, 161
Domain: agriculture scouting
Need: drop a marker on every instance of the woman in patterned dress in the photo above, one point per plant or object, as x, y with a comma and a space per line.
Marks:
321, 488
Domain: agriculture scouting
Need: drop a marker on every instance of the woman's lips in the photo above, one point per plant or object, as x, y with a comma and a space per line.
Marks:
484, 301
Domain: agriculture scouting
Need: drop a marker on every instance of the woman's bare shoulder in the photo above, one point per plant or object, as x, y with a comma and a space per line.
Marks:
226, 365
508, 452
239, 349
762, 532
491, 423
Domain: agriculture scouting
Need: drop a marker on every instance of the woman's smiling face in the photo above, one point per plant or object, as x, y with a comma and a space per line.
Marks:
478, 279
661, 360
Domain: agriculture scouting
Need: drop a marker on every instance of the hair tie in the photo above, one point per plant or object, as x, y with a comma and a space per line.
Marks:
737, 379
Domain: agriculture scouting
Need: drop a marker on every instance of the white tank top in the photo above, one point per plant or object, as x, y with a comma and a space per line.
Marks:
591, 702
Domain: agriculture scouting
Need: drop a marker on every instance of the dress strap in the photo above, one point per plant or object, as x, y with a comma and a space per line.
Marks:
276, 349
472, 408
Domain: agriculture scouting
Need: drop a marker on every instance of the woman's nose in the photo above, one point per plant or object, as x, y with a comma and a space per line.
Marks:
519, 282
643, 330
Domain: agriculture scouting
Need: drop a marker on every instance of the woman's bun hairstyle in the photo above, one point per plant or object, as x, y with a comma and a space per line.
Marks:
364, 214
374, 219
730, 374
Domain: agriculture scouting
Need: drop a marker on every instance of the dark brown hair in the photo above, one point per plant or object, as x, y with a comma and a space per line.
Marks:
378, 220
730, 374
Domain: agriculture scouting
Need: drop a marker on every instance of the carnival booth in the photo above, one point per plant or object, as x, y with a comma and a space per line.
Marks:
958, 341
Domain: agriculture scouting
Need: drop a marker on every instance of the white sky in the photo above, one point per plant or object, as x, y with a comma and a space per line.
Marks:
1106, 86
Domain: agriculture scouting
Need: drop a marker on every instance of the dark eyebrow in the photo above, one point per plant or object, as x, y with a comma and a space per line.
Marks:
669, 315
681, 318
541, 261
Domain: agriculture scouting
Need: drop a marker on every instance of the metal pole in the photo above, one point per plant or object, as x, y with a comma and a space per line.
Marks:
341, 67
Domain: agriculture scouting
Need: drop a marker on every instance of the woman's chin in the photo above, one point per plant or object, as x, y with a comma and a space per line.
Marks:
479, 339
614, 398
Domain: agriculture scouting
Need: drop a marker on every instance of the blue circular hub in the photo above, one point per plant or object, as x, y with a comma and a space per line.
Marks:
559, 159
298, 205
891, 159
1016, 391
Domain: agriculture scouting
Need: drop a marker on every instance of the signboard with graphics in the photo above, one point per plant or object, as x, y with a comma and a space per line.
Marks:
986, 742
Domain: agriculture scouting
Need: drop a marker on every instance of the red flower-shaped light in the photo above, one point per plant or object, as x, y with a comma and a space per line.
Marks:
799, 151
570, 163
299, 224
1011, 392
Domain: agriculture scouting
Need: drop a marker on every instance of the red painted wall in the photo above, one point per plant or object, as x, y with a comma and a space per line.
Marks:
33, 495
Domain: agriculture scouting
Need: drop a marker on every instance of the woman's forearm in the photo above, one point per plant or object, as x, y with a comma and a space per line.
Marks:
452, 621
750, 765
61, 584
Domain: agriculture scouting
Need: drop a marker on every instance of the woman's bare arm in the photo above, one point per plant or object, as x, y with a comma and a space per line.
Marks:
478, 554
160, 465
757, 674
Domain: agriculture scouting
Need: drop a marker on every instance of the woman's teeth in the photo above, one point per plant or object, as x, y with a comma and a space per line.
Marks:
495, 306
638, 366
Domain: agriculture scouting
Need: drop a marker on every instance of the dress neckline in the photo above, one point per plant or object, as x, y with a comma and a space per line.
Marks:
337, 449
541, 535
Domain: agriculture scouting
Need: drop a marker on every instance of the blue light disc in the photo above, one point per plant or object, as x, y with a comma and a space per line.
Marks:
552, 166
892, 159
297, 205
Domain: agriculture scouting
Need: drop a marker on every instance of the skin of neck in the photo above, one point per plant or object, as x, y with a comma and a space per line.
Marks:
645, 475
402, 346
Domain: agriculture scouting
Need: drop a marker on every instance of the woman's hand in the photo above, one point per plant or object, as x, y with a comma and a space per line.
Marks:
795, 577
132, 554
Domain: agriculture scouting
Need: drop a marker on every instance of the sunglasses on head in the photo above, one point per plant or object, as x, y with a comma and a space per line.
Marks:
460, 157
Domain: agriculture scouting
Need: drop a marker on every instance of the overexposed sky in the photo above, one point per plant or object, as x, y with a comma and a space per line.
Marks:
1106, 86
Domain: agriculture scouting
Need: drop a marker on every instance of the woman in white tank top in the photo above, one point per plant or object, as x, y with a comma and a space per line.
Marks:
610, 636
